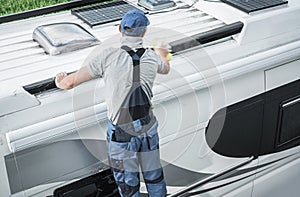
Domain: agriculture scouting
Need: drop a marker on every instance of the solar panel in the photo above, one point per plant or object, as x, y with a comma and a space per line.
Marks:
103, 13
254, 5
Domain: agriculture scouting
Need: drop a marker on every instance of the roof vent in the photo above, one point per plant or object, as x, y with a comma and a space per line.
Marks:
63, 37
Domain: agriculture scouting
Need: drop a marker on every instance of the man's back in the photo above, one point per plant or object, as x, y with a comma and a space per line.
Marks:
116, 67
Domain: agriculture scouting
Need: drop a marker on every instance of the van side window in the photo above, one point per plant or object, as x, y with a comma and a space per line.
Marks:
289, 124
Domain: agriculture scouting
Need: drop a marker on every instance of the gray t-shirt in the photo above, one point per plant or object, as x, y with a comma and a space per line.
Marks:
115, 66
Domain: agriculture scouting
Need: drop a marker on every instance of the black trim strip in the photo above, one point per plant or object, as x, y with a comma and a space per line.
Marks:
211, 178
206, 37
216, 187
244, 171
237, 173
47, 10
234, 174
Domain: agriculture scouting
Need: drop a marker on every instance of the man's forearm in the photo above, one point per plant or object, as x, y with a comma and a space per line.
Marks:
66, 82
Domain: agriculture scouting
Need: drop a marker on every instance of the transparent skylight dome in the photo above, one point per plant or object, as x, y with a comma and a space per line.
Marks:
61, 38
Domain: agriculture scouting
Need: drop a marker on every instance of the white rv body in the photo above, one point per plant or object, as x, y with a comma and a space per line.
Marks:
53, 138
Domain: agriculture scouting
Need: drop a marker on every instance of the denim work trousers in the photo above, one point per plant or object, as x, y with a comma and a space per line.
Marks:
125, 158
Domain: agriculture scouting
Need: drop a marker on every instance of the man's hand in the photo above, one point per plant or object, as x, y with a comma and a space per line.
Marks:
163, 51
165, 56
59, 78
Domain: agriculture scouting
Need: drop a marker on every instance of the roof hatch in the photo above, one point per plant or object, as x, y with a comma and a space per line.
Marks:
60, 38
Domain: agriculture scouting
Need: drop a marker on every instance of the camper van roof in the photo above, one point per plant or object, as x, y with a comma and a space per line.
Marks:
25, 65
23, 62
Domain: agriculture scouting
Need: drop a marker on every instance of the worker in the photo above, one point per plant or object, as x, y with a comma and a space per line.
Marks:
129, 73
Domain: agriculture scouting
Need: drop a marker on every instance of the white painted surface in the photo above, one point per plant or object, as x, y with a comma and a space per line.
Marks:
202, 80
281, 179
270, 24
19, 99
281, 75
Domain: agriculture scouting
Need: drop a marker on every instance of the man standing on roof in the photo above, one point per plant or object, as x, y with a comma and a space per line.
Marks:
129, 73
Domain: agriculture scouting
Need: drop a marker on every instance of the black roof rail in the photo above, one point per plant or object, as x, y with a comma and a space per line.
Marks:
42, 86
47, 10
206, 37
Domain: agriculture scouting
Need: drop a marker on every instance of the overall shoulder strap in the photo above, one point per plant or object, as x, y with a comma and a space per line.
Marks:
136, 56
137, 104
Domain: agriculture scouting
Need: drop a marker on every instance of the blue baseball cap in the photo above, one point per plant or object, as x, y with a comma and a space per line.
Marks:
136, 20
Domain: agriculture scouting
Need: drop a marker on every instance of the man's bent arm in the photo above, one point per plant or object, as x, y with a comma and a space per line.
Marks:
66, 82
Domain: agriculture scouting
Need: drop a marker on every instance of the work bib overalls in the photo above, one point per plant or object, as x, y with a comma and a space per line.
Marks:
133, 143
